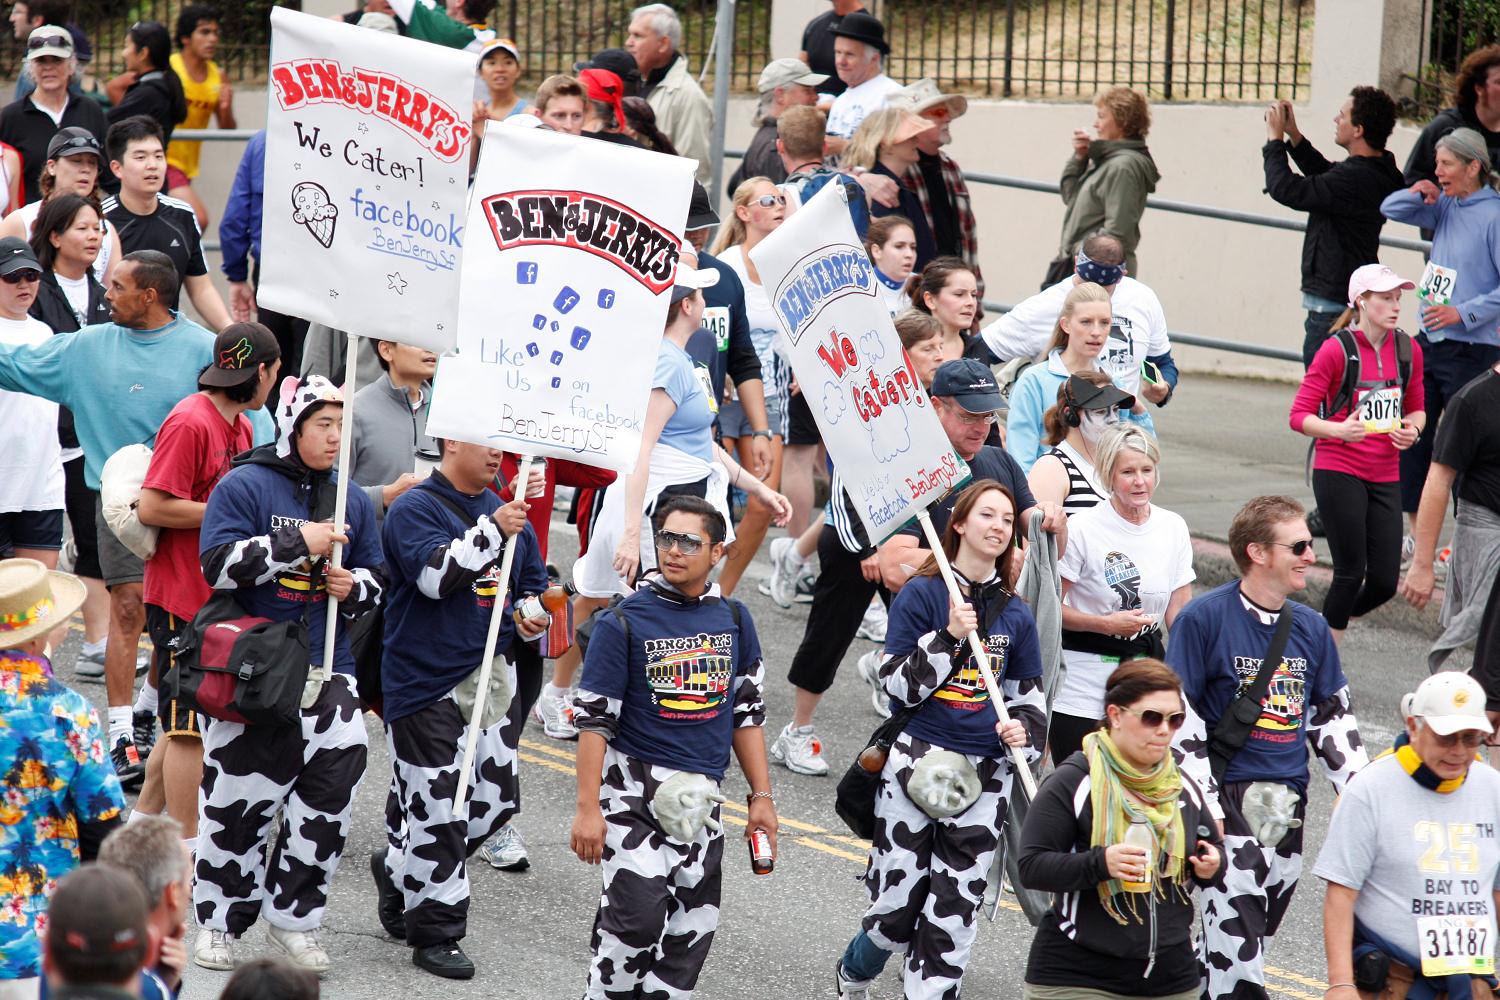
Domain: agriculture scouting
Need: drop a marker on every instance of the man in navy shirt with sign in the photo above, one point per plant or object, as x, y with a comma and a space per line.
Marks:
1219, 643
444, 539
671, 682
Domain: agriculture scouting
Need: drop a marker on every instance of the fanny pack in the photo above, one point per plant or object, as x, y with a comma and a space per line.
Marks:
684, 804
238, 667
497, 700
943, 783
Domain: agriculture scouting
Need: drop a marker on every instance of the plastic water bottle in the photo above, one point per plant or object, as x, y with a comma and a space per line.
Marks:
1140, 835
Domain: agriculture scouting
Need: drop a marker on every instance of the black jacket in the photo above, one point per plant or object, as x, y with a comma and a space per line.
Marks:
53, 308
157, 95
29, 129
1078, 944
1342, 202
1421, 164
761, 159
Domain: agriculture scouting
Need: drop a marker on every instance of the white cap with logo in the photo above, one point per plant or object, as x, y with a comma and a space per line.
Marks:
1448, 702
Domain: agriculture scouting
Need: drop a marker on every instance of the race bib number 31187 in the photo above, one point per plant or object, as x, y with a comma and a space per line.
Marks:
1456, 945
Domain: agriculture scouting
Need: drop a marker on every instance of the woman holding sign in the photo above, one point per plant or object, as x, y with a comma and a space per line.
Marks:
946, 781
1361, 400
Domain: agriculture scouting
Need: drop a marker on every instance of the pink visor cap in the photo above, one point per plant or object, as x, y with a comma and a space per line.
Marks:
1374, 278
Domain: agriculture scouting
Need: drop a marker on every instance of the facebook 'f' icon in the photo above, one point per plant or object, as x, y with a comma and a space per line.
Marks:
526, 272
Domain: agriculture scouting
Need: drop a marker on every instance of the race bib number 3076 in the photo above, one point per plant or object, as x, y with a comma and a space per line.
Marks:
1456, 945
1380, 410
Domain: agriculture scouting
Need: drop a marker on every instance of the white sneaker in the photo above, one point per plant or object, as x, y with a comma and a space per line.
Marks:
868, 666
506, 850
1408, 549
556, 716
214, 950
785, 570
872, 626
800, 750
850, 989
301, 948
90, 662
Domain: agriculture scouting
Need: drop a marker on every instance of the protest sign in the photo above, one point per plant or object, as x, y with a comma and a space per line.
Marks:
875, 415
565, 288
367, 162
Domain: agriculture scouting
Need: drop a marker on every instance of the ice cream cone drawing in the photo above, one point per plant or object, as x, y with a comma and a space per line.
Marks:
313, 210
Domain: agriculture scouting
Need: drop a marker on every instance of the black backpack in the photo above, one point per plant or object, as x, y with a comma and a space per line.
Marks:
1350, 380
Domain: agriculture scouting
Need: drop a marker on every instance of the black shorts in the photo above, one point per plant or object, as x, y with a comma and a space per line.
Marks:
176, 719
30, 529
801, 428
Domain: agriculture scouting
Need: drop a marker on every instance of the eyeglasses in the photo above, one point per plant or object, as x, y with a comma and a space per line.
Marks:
688, 545
767, 200
1152, 719
16, 277
1470, 739
1299, 547
974, 419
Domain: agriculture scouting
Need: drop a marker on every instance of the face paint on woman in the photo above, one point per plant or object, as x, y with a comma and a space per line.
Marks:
1095, 422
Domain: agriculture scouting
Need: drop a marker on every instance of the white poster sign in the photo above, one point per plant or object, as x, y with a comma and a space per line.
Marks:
876, 417
367, 163
566, 283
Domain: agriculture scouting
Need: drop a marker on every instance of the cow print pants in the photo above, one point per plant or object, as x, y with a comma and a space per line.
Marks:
309, 772
429, 841
926, 877
1243, 906
660, 904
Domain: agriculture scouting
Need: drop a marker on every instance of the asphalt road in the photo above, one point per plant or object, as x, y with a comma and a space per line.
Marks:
780, 935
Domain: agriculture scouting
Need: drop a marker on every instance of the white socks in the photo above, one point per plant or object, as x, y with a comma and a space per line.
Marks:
146, 701
119, 723
553, 691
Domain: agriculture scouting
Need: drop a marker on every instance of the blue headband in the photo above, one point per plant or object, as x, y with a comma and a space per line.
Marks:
1099, 274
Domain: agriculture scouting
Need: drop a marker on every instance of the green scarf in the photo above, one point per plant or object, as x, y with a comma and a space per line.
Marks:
1110, 778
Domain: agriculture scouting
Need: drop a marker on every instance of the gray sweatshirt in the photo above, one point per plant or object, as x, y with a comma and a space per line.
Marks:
388, 434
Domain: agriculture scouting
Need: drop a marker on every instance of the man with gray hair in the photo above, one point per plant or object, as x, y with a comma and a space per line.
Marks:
682, 110
784, 83
151, 849
859, 51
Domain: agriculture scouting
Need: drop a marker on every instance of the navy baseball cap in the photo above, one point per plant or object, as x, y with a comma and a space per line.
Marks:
970, 383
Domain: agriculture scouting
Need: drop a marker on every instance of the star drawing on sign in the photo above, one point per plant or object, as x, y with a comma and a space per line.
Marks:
296, 166
333, 293
436, 206
440, 326
363, 128
396, 282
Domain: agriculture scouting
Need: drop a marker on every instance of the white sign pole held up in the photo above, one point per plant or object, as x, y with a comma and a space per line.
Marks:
491, 638
981, 655
341, 501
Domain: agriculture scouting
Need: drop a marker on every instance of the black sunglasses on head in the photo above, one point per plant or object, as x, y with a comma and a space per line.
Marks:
41, 41
687, 544
16, 277
76, 142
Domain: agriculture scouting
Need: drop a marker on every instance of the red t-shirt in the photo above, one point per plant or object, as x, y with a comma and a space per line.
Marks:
192, 453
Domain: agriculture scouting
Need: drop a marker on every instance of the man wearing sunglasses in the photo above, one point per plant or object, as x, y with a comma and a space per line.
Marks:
1258, 792
671, 682
1417, 901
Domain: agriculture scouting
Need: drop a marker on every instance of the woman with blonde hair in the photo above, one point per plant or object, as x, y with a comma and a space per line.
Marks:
1079, 338
1107, 179
758, 209
886, 143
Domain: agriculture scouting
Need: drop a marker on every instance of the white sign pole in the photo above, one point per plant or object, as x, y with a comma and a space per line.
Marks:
981, 655
341, 500
491, 638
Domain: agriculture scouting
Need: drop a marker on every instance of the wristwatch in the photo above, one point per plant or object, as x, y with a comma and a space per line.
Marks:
761, 434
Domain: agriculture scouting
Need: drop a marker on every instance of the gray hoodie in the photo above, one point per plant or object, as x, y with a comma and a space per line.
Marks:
388, 434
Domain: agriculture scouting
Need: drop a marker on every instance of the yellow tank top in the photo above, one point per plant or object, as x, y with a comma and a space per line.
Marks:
202, 100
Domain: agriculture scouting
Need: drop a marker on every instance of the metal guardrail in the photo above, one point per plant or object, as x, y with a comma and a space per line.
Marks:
1022, 184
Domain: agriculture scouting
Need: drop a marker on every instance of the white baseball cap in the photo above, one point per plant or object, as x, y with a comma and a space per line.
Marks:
1448, 702
1374, 278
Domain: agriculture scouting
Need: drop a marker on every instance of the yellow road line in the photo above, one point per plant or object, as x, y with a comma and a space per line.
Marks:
554, 756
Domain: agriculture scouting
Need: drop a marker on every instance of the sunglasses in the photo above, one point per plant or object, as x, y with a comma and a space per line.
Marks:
43, 41
16, 277
1152, 719
767, 200
1299, 548
688, 545
76, 142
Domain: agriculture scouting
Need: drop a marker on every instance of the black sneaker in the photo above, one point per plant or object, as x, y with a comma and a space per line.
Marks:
1315, 524
129, 767
143, 726
391, 907
446, 960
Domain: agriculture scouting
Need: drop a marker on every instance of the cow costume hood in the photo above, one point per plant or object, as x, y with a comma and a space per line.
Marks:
299, 400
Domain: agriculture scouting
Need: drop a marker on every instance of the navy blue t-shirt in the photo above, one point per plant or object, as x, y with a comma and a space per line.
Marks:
1217, 647
433, 644
676, 682
256, 500
988, 463
958, 715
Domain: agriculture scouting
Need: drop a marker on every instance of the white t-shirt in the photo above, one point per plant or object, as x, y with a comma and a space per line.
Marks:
1138, 329
77, 292
893, 297
1434, 865
765, 332
31, 472
1114, 565
29, 213
853, 105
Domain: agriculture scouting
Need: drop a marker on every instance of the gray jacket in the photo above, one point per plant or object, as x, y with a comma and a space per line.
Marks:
388, 434
323, 353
